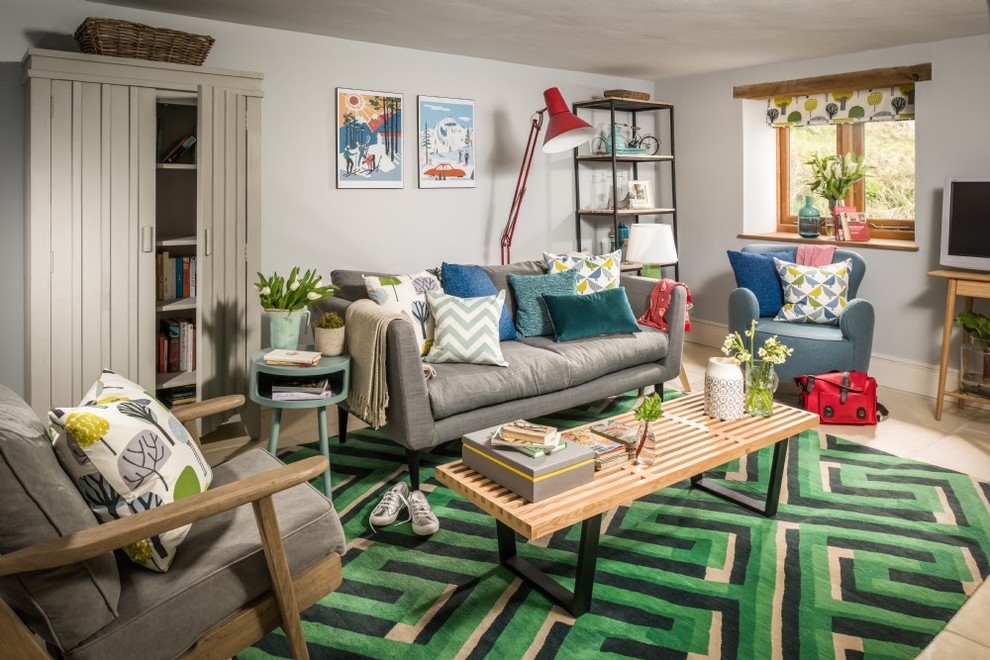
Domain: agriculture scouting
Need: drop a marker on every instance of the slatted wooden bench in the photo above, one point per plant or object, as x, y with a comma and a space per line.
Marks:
688, 444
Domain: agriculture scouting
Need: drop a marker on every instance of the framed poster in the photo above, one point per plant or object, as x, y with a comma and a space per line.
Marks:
639, 195
369, 139
445, 133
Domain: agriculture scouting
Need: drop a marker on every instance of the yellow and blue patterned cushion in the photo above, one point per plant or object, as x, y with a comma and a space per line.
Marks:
595, 273
813, 294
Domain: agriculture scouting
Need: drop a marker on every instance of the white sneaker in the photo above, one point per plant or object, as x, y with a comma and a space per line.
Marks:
424, 522
392, 503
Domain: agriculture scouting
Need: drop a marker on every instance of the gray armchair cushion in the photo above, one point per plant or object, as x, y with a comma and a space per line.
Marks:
221, 567
38, 502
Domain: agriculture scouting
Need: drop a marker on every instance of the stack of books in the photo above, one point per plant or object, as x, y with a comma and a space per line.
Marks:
177, 396
176, 347
532, 439
301, 389
619, 432
283, 357
608, 453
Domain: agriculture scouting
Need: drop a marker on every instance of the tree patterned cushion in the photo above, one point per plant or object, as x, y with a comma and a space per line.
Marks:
126, 453
406, 294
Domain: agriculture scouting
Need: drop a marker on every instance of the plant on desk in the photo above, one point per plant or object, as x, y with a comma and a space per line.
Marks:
328, 333
974, 362
285, 301
761, 379
648, 412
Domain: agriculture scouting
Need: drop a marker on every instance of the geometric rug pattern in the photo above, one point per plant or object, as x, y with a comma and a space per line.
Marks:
869, 556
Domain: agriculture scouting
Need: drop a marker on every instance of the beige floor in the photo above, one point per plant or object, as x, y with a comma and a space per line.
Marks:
960, 441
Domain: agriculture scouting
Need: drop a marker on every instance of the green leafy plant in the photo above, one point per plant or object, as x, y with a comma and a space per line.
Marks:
977, 325
651, 409
833, 176
329, 321
277, 292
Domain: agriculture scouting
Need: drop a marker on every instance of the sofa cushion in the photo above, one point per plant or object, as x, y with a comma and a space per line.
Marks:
466, 328
406, 294
595, 273
531, 371
601, 313
471, 282
813, 294
127, 453
221, 566
532, 317
593, 357
38, 502
756, 271
499, 276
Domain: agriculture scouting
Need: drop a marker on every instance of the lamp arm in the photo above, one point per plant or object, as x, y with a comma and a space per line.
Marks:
536, 124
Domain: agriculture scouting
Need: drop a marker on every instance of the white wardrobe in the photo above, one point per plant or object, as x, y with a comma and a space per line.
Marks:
102, 210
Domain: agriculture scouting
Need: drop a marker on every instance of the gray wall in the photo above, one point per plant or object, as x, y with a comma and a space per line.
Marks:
305, 219
725, 181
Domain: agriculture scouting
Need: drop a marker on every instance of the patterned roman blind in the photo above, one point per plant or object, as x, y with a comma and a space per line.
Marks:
842, 107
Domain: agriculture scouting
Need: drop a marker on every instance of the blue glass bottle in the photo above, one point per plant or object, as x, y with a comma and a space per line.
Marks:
809, 219
623, 235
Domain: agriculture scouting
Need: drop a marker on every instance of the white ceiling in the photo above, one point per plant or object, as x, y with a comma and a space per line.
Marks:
648, 39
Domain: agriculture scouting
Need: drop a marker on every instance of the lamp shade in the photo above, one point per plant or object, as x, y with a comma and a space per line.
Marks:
651, 244
565, 130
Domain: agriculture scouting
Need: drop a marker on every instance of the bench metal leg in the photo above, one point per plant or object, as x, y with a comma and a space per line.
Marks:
577, 602
768, 507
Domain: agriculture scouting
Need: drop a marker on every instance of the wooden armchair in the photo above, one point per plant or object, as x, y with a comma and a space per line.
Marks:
217, 597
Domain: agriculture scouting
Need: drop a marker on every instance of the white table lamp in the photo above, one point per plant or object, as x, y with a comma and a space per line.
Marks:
653, 246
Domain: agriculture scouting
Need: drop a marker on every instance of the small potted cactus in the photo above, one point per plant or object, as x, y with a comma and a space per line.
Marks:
328, 332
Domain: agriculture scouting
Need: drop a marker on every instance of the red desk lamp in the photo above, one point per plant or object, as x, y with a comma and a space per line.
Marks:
565, 131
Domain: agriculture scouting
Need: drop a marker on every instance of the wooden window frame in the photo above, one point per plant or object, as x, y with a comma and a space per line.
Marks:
849, 137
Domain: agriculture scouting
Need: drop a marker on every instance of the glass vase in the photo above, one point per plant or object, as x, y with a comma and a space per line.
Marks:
809, 219
974, 372
761, 383
646, 446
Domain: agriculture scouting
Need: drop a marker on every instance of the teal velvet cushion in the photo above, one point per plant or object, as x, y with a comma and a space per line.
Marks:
601, 313
532, 318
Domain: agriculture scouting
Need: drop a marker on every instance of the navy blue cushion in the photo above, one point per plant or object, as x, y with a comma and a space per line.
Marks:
604, 312
473, 282
532, 318
755, 271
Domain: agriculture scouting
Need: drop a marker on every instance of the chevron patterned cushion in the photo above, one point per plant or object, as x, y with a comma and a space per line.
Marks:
466, 329
813, 294
594, 273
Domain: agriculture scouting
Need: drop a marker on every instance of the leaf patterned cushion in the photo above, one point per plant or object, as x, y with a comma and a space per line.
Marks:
467, 329
406, 294
813, 294
126, 453
594, 273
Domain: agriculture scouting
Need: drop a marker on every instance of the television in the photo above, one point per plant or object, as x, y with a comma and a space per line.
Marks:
966, 224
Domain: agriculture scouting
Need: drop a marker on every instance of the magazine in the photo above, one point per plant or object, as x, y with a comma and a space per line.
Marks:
301, 396
310, 385
617, 431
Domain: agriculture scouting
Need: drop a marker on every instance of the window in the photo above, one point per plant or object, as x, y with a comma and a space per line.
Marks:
887, 194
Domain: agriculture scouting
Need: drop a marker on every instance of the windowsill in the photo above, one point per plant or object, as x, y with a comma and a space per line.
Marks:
878, 243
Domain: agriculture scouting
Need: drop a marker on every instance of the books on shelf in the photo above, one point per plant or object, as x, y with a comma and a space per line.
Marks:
177, 396
176, 346
175, 277
284, 357
301, 396
180, 148
305, 385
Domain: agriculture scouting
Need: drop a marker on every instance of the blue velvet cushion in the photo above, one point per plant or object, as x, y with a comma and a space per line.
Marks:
473, 282
532, 318
755, 271
605, 312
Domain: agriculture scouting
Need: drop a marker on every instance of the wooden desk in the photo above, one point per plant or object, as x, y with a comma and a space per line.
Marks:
968, 285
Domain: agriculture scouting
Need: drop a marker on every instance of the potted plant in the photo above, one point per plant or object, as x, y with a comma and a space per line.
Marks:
648, 412
328, 332
760, 378
833, 176
285, 300
974, 362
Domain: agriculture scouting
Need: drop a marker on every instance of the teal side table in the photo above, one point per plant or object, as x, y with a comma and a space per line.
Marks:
337, 369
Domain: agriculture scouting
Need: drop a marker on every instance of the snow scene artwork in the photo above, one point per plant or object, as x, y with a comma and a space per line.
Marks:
369, 139
446, 142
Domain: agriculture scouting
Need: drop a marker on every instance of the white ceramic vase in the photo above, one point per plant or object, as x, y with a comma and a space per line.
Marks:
724, 383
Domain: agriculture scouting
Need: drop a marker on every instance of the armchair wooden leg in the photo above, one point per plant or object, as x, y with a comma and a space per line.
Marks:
278, 568
341, 424
18, 640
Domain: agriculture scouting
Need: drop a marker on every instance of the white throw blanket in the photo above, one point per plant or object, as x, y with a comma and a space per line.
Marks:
367, 326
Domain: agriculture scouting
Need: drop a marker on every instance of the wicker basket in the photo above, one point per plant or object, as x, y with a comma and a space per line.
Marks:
108, 36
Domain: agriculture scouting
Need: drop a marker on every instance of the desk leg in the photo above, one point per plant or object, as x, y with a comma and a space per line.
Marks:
577, 602
950, 312
321, 414
273, 433
768, 507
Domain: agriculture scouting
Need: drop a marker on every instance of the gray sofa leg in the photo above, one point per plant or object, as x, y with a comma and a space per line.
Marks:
412, 459
341, 424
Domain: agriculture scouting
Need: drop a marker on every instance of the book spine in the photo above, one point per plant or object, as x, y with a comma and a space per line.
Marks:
185, 277
178, 278
183, 345
192, 276
162, 353
173, 345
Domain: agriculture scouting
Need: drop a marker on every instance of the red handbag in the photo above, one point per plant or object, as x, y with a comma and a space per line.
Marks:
840, 397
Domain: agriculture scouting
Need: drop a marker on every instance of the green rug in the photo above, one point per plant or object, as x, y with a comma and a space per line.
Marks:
869, 556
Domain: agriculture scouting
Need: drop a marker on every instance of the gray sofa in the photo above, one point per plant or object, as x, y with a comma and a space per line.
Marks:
543, 376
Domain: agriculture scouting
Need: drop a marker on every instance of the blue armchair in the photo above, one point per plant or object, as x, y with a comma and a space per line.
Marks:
817, 348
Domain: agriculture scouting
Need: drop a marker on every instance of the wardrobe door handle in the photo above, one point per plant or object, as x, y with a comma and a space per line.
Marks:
147, 238
208, 248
